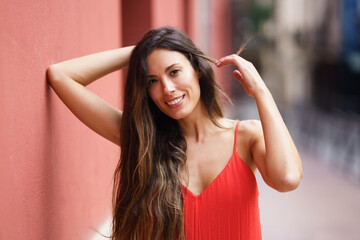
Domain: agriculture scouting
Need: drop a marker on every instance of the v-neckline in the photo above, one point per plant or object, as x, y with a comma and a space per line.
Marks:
221, 172
213, 181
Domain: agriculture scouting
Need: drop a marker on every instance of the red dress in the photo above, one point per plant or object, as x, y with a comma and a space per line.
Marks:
227, 208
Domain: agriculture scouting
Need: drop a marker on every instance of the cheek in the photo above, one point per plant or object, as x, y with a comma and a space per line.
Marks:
156, 98
150, 95
190, 81
196, 87
153, 94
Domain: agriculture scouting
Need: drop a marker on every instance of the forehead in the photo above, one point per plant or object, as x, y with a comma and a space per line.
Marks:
160, 59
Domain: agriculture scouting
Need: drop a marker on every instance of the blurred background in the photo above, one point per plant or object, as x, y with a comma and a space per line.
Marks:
308, 53
56, 174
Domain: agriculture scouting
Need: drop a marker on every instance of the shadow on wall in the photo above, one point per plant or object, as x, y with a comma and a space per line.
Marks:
47, 207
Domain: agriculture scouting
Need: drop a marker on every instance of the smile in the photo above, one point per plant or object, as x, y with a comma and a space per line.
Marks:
176, 101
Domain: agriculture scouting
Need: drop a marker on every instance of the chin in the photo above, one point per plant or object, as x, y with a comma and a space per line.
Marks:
177, 115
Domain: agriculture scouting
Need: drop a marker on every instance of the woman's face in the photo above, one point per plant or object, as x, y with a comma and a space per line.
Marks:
173, 84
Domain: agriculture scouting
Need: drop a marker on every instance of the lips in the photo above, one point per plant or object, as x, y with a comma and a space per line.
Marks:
175, 101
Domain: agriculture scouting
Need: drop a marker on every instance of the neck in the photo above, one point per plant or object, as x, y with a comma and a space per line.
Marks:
197, 125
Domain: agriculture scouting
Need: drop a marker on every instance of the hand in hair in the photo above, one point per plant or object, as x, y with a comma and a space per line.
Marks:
246, 74
273, 149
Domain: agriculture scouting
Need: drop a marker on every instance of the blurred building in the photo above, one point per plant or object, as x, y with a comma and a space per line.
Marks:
308, 53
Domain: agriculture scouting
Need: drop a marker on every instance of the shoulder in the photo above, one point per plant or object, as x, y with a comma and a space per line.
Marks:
251, 127
250, 131
245, 126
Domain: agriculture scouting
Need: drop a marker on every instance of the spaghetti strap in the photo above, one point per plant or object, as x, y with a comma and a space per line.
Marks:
236, 130
232, 198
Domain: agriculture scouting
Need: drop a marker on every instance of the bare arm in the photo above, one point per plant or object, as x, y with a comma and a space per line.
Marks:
273, 149
69, 78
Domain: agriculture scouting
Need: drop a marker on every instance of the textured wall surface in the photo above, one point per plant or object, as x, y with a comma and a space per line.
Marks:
55, 174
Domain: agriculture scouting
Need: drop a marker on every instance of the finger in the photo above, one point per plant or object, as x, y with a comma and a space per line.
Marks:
231, 59
241, 64
238, 75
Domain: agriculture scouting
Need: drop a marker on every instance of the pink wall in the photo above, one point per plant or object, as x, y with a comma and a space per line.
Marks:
136, 20
220, 28
55, 173
168, 13
220, 40
192, 20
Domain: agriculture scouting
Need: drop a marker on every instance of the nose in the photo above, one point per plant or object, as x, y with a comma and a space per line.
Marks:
168, 86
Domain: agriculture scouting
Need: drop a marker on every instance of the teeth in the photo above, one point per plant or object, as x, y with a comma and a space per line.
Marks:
175, 101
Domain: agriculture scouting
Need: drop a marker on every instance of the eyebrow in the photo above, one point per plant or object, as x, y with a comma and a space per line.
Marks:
166, 69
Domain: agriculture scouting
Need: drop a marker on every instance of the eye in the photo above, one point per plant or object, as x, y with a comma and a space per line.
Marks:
174, 72
152, 81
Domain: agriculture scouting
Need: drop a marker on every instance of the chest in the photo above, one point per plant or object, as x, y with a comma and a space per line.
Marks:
207, 160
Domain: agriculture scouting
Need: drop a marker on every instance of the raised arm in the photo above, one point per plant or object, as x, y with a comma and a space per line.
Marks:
273, 149
69, 78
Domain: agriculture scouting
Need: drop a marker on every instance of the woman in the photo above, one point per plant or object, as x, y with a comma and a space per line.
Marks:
180, 174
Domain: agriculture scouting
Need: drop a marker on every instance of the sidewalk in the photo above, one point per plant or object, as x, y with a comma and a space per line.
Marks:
326, 206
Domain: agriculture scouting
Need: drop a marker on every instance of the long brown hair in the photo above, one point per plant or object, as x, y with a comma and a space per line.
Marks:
147, 194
